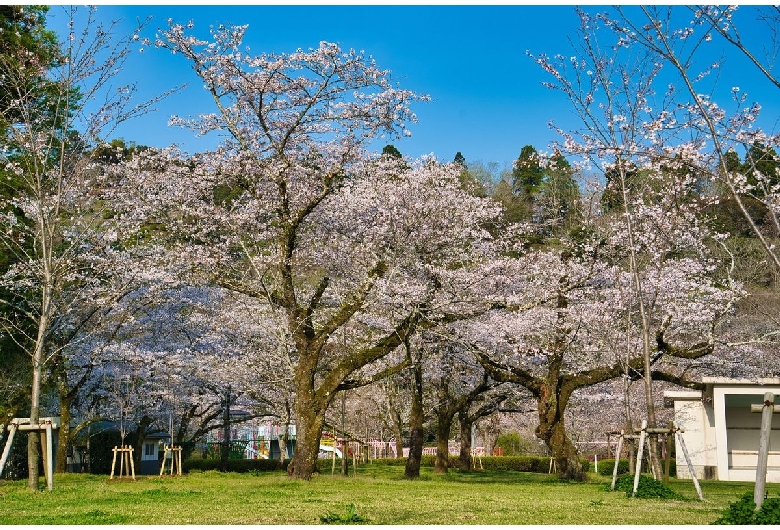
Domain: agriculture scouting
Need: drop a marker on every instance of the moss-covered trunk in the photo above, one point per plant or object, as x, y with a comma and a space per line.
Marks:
552, 430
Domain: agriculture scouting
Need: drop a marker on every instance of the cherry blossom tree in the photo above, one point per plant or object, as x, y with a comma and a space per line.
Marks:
631, 135
709, 48
292, 212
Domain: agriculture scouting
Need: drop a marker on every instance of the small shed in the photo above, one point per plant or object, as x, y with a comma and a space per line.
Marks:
151, 452
721, 433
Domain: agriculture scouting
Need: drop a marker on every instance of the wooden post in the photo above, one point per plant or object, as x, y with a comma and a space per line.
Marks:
113, 463
690, 465
165, 457
617, 461
46, 450
333, 457
7, 449
126, 464
639, 457
763, 447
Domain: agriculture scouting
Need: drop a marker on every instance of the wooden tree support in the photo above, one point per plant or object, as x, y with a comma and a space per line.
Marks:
126, 465
46, 427
476, 458
641, 434
766, 409
175, 459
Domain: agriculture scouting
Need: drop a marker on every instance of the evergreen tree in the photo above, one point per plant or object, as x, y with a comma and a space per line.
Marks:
527, 175
559, 194
391, 150
761, 168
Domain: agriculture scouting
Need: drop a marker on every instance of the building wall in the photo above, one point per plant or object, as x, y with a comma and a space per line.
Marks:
695, 418
721, 433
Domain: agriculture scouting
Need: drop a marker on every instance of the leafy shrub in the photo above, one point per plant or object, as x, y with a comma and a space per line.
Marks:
348, 518
743, 511
516, 444
648, 488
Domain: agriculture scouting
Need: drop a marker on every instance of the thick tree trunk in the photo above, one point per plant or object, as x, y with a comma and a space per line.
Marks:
308, 431
464, 459
443, 428
552, 431
63, 435
416, 418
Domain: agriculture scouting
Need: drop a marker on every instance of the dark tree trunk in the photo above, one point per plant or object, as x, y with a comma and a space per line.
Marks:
443, 429
63, 436
143, 425
308, 432
416, 418
464, 459
224, 453
552, 431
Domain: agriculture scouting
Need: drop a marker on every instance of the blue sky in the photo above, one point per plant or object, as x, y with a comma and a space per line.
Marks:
487, 98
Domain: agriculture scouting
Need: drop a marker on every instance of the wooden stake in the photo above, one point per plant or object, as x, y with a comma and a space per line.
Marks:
690, 465
7, 449
639, 457
763, 449
617, 461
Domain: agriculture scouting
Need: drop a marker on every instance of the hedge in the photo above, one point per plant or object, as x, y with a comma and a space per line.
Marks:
530, 464
607, 466
238, 466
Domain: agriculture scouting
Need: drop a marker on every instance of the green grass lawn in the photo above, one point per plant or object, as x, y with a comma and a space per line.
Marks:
379, 494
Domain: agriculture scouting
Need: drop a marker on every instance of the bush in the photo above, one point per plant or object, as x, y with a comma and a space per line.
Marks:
529, 464
237, 466
516, 444
607, 466
648, 488
101, 454
743, 511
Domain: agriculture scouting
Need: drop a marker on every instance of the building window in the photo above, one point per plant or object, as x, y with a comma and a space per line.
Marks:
149, 449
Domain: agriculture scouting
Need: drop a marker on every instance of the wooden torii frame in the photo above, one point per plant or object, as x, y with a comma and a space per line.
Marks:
175, 459
641, 434
45, 427
126, 465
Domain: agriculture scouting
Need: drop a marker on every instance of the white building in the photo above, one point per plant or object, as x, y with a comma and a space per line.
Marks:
721, 433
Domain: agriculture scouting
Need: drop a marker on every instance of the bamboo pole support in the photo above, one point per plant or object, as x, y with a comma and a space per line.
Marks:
639, 457
763, 448
113, 464
617, 461
690, 465
7, 449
